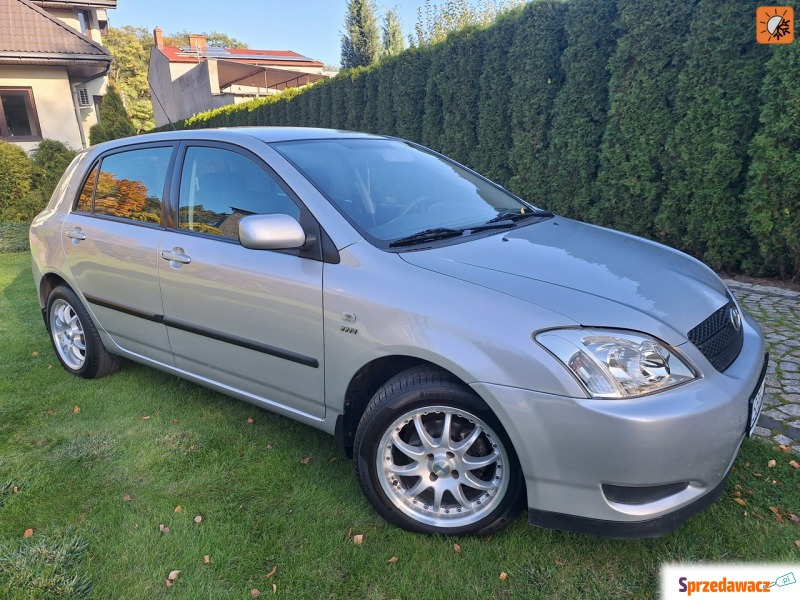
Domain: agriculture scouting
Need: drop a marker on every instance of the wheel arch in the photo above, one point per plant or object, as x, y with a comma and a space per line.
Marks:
363, 385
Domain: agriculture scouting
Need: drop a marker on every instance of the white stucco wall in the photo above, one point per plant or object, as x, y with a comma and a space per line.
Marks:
52, 96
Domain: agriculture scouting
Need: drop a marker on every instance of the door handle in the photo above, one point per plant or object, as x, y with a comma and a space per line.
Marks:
176, 256
76, 234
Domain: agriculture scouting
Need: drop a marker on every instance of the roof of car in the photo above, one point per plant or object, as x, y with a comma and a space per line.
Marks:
265, 134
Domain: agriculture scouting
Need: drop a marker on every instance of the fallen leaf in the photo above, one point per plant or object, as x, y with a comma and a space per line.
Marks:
76, 409
269, 446
175, 421
794, 518
559, 563
206, 559
167, 583
173, 575
15, 490
254, 593
797, 543
757, 516
737, 486
274, 588
34, 353
749, 492
777, 513
740, 501
198, 519
772, 463
393, 560
178, 508
271, 574
457, 548
757, 474
249, 420
737, 494
28, 533
127, 498
163, 529
784, 448
333, 459
357, 539
49, 366
51, 412
305, 460
503, 576
146, 418
794, 464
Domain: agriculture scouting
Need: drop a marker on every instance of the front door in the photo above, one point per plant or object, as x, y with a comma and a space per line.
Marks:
250, 320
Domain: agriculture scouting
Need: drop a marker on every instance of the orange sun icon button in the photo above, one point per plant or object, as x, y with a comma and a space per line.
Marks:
774, 24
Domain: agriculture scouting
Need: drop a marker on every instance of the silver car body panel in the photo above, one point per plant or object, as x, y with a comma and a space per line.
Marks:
471, 308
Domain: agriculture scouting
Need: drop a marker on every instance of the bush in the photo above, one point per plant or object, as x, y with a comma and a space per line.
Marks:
16, 177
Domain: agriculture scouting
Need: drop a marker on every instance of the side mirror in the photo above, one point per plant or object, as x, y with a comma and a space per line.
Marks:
271, 232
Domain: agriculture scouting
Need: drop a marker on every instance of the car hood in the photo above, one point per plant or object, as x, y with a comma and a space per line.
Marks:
593, 276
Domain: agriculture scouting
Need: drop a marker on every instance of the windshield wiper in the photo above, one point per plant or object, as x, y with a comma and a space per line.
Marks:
429, 235
515, 215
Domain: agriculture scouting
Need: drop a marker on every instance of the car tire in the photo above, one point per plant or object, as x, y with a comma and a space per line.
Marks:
74, 336
416, 477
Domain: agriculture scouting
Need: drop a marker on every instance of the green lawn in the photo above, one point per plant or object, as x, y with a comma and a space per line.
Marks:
96, 468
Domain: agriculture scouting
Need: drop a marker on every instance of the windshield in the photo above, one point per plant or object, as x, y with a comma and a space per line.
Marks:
390, 189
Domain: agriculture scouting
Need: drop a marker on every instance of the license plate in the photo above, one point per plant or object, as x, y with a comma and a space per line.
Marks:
757, 401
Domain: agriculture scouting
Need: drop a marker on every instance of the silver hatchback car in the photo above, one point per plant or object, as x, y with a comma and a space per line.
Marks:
471, 352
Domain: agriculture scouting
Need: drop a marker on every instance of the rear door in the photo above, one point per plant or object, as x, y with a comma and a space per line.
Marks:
111, 240
250, 320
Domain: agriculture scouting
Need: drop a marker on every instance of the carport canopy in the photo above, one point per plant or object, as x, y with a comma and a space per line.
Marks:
261, 76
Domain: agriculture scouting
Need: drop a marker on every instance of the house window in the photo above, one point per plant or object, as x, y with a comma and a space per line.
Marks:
85, 20
18, 119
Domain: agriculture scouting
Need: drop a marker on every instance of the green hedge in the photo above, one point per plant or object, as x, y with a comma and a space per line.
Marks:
659, 117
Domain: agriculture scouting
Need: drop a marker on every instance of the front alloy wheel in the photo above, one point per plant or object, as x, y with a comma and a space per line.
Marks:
431, 457
442, 466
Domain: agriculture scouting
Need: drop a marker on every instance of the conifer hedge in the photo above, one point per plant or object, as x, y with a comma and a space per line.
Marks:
659, 117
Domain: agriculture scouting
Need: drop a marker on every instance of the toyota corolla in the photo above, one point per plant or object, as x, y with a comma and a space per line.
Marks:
475, 354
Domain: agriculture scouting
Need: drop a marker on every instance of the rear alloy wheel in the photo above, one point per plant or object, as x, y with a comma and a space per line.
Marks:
75, 339
431, 457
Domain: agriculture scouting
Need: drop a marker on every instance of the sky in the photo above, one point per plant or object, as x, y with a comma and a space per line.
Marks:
309, 27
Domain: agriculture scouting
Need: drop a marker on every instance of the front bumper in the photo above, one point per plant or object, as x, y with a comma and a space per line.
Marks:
682, 440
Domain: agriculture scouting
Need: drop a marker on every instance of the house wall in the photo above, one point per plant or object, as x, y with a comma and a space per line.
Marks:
52, 96
70, 18
196, 90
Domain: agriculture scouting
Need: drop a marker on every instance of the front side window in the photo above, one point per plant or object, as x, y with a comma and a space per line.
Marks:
219, 187
129, 185
18, 118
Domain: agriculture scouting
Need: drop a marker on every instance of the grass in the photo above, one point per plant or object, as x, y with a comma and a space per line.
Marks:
98, 469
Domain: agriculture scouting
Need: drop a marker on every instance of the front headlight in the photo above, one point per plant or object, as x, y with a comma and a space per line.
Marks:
617, 364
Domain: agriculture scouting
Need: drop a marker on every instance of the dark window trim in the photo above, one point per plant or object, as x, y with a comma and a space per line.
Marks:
4, 133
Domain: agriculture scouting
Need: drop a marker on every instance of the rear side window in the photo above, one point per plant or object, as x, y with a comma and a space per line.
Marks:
129, 185
219, 187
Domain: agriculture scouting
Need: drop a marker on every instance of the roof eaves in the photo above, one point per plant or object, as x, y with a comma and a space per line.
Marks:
65, 27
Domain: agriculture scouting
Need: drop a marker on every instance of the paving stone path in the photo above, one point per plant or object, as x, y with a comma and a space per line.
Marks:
778, 311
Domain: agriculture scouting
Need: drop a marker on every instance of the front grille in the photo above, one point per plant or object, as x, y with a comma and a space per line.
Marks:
718, 339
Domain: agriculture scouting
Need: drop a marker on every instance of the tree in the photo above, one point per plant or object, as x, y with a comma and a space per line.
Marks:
774, 204
130, 49
361, 41
644, 78
214, 39
393, 42
114, 121
435, 21
536, 78
706, 156
580, 111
